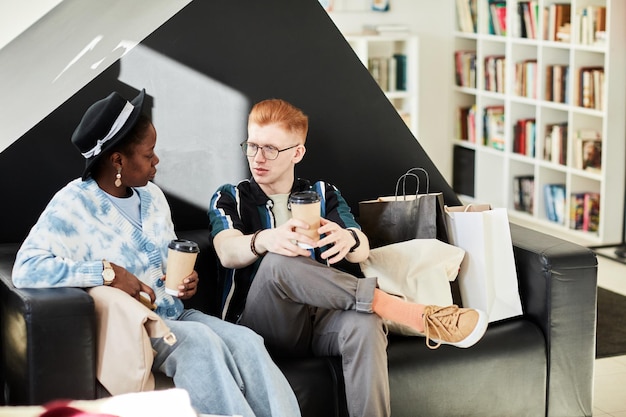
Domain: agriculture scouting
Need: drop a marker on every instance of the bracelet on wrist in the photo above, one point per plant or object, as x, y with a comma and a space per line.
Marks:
252, 243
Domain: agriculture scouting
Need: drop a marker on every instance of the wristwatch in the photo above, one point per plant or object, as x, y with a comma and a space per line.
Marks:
108, 274
356, 239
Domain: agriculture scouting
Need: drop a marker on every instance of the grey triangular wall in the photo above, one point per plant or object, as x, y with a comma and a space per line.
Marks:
203, 69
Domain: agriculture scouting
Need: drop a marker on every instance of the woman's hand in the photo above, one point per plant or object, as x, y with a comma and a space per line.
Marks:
130, 284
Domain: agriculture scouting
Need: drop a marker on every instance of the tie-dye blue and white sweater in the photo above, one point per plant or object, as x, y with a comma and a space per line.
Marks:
80, 227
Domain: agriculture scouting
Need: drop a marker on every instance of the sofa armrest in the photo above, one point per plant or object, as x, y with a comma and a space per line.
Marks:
48, 340
558, 287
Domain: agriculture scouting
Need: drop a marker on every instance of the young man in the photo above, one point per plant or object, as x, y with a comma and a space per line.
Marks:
292, 296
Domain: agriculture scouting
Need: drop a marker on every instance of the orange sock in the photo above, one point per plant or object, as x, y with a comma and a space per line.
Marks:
396, 309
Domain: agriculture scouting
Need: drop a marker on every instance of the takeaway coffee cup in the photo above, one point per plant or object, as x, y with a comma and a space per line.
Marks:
305, 205
181, 258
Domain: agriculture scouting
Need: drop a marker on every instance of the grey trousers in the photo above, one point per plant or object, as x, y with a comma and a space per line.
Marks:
302, 307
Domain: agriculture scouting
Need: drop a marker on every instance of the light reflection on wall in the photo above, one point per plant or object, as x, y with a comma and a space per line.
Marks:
199, 121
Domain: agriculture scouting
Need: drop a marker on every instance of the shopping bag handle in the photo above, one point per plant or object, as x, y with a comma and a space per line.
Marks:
403, 179
410, 171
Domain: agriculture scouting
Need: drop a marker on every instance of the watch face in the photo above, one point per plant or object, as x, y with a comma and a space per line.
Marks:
108, 274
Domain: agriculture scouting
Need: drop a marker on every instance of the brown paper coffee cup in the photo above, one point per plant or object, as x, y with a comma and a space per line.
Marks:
181, 258
305, 206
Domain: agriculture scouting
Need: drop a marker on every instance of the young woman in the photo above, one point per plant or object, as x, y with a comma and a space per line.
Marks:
112, 227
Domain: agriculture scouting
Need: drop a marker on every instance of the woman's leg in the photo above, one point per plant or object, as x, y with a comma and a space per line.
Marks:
202, 364
263, 385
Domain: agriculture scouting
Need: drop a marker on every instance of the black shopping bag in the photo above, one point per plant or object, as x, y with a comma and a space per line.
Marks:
403, 217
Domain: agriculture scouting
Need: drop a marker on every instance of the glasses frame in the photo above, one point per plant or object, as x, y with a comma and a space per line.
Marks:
245, 144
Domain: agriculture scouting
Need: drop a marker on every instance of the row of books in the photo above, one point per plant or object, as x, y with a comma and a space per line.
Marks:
584, 211
526, 78
556, 83
497, 17
555, 143
389, 72
495, 73
524, 137
527, 13
494, 127
557, 23
590, 25
466, 15
466, 123
554, 202
587, 142
523, 193
465, 68
587, 147
590, 88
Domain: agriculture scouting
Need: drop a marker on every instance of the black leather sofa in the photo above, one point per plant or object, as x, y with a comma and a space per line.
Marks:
538, 364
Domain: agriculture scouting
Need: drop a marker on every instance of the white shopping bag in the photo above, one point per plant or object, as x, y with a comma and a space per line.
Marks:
488, 277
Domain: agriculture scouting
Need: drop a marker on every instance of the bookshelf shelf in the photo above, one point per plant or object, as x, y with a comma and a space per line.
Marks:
550, 115
392, 59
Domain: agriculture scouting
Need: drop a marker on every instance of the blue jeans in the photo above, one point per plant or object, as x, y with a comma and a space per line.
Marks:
224, 367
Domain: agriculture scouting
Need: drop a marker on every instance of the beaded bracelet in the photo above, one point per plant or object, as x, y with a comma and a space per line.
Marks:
252, 241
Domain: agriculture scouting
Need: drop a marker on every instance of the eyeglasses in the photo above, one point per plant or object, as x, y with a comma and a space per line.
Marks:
269, 152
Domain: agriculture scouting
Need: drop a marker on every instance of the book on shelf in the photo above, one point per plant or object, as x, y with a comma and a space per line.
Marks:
494, 73
524, 137
466, 123
556, 83
590, 87
527, 12
591, 212
494, 127
585, 211
590, 25
559, 22
523, 193
389, 72
554, 201
526, 78
555, 143
466, 12
465, 71
588, 151
497, 17
401, 71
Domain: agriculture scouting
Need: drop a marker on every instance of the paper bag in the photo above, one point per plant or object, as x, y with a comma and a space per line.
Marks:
488, 277
418, 270
402, 217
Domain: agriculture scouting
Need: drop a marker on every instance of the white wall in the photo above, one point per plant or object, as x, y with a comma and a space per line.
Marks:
72, 43
433, 22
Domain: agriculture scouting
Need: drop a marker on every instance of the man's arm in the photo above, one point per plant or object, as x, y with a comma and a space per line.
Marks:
236, 250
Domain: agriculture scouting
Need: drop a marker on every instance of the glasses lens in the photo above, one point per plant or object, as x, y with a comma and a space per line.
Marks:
249, 149
270, 152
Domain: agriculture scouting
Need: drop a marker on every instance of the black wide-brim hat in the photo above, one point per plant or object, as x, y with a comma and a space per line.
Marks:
106, 123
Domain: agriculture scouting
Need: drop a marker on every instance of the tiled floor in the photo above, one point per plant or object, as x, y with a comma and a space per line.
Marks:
610, 373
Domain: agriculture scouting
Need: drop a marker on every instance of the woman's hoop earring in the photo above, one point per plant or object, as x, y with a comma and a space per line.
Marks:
118, 177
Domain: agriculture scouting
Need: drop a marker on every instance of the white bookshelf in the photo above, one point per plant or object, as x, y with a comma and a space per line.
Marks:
382, 47
494, 170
